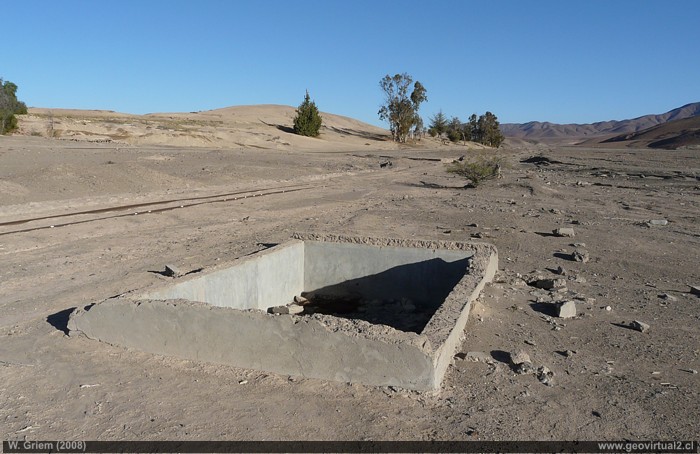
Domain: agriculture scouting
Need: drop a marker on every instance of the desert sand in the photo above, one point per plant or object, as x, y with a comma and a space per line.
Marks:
71, 235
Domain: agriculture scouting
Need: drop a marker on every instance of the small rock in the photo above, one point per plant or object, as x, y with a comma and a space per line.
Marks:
560, 271
564, 231
667, 297
301, 300
519, 357
566, 309
172, 271
525, 368
549, 284
243, 382
577, 245
544, 375
292, 309
658, 222
475, 357
608, 308
695, 289
279, 310
295, 309
581, 256
639, 326
569, 353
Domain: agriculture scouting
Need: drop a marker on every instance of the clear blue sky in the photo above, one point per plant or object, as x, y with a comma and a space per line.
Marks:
562, 61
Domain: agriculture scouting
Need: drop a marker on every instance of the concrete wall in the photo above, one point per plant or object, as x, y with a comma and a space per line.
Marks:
315, 346
251, 339
424, 275
269, 278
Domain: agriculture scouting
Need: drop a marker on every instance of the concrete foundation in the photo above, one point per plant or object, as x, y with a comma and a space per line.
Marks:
220, 316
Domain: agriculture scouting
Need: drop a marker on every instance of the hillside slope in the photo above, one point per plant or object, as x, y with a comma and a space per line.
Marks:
670, 135
545, 130
258, 126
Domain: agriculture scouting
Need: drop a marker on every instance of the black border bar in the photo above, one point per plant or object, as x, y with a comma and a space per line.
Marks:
27, 446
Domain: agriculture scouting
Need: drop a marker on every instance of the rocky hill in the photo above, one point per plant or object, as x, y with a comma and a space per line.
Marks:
536, 130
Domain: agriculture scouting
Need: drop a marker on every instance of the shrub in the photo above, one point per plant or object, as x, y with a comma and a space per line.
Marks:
477, 170
308, 120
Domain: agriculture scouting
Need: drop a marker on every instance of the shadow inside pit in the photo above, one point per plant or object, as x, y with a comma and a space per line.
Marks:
59, 320
544, 308
404, 297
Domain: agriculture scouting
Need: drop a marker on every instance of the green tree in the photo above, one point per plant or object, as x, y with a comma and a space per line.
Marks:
473, 128
455, 130
438, 124
308, 119
9, 106
489, 130
418, 130
400, 108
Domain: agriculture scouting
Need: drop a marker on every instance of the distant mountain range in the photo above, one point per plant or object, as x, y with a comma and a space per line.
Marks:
613, 131
669, 135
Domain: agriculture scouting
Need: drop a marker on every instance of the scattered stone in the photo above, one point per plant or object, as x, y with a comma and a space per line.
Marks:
667, 297
608, 308
549, 284
658, 222
475, 357
519, 357
581, 256
295, 309
172, 271
690, 371
566, 309
564, 231
301, 300
243, 382
292, 309
577, 245
560, 271
279, 310
525, 368
544, 375
639, 326
695, 289
569, 353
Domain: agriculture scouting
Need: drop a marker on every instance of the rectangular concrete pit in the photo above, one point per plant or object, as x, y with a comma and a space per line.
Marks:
424, 289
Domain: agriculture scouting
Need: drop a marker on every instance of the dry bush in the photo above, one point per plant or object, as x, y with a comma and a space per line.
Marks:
477, 169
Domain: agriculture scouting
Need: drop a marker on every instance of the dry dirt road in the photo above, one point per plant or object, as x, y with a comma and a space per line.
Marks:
70, 235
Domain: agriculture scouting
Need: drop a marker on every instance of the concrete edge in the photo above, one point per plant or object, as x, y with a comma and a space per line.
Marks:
383, 242
448, 347
145, 292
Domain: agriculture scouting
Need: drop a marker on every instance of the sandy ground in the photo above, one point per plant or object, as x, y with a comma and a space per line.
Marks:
65, 242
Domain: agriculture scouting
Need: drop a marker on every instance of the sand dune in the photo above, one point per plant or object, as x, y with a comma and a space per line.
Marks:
260, 126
